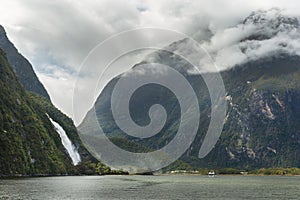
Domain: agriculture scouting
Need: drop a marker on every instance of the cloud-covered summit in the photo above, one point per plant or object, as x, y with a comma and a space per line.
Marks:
271, 19
263, 33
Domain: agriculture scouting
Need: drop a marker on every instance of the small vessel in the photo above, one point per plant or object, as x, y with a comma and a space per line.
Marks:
211, 174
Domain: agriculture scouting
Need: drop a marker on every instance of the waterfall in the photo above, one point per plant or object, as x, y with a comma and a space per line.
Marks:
72, 151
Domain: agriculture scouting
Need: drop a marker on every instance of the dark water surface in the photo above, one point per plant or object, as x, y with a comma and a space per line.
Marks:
152, 187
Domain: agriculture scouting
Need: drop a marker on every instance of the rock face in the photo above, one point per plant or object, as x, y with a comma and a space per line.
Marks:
262, 126
262, 129
21, 66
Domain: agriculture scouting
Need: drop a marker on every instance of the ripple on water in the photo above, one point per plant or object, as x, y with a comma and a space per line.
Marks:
151, 187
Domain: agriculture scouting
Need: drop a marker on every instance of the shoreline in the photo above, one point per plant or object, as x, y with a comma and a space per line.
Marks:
198, 172
2, 177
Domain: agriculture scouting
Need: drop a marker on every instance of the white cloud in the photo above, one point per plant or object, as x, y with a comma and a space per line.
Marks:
59, 85
61, 33
265, 33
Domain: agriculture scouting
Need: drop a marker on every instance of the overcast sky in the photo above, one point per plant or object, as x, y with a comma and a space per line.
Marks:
57, 35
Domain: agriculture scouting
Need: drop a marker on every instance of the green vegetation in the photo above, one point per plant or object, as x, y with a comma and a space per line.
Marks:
228, 171
27, 145
42, 106
90, 168
276, 171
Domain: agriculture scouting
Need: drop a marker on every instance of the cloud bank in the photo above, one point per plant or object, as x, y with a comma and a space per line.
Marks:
263, 33
57, 35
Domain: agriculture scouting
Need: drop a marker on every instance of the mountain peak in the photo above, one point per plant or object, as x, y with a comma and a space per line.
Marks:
272, 19
2, 31
21, 66
3, 37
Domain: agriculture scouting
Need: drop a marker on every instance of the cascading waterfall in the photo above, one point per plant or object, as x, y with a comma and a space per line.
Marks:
72, 151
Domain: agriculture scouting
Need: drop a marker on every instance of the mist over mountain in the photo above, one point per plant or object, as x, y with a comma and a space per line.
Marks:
260, 65
263, 33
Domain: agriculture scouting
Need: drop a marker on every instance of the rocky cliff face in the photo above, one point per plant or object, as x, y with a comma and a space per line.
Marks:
261, 129
21, 67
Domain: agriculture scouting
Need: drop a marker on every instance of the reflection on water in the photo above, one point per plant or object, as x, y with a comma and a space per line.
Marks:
152, 187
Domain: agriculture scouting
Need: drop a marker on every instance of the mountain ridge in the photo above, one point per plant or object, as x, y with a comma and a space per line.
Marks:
22, 67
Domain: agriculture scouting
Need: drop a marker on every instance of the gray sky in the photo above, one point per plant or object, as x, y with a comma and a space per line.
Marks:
57, 35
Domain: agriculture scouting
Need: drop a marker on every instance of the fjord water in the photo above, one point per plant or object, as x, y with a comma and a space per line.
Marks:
152, 187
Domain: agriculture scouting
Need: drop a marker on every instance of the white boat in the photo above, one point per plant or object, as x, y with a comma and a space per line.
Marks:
211, 174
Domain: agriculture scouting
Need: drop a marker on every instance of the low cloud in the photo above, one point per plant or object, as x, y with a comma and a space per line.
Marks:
263, 33
60, 34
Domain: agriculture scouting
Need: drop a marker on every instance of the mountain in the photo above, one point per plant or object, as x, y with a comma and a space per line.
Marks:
21, 66
29, 144
262, 128
35, 137
262, 122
